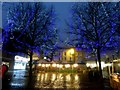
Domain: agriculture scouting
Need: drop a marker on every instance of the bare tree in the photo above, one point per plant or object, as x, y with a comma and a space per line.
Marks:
92, 27
31, 28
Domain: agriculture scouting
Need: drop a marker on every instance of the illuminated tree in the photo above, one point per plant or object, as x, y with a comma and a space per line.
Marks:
92, 27
114, 13
31, 28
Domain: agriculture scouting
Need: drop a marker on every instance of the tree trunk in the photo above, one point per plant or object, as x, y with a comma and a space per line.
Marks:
51, 56
30, 64
30, 85
100, 69
99, 61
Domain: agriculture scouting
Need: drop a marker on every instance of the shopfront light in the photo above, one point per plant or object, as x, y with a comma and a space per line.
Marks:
67, 65
75, 65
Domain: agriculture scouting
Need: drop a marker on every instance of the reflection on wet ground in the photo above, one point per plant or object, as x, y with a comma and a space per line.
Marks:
18, 78
47, 79
52, 80
57, 80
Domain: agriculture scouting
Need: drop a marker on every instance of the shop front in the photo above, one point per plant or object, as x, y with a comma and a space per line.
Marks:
115, 75
20, 62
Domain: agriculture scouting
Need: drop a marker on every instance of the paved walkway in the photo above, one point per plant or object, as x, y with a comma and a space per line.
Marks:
18, 80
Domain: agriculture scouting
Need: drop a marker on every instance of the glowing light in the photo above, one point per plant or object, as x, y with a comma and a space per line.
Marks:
75, 65
109, 64
20, 62
35, 58
39, 64
91, 65
53, 65
67, 65
20, 65
43, 65
42, 77
76, 77
103, 64
3, 63
68, 78
119, 65
47, 65
21, 59
45, 57
116, 60
53, 77
60, 66
46, 76
71, 51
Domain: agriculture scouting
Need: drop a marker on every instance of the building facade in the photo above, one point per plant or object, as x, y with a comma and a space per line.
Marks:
70, 55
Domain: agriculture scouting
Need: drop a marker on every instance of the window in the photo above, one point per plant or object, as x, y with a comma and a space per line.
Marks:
70, 59
65, 53
65, 58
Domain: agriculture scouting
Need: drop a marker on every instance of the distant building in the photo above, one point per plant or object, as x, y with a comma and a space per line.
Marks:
69, 55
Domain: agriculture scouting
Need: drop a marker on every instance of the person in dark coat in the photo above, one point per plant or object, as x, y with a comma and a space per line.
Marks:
90, 75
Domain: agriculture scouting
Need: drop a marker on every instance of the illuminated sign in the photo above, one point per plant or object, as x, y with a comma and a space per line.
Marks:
20, 62
21, 59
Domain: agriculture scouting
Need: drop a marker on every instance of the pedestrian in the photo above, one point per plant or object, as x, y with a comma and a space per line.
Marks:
90, 75
0, 72
4, 70
96, 75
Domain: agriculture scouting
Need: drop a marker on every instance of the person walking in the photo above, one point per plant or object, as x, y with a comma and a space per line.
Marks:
4, 70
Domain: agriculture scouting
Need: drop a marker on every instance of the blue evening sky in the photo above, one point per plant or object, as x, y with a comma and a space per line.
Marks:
62, 10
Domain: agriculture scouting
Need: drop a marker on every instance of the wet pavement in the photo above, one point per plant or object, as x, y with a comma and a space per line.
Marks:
19, 79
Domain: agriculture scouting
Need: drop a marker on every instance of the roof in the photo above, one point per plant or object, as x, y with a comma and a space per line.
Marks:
45, 62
